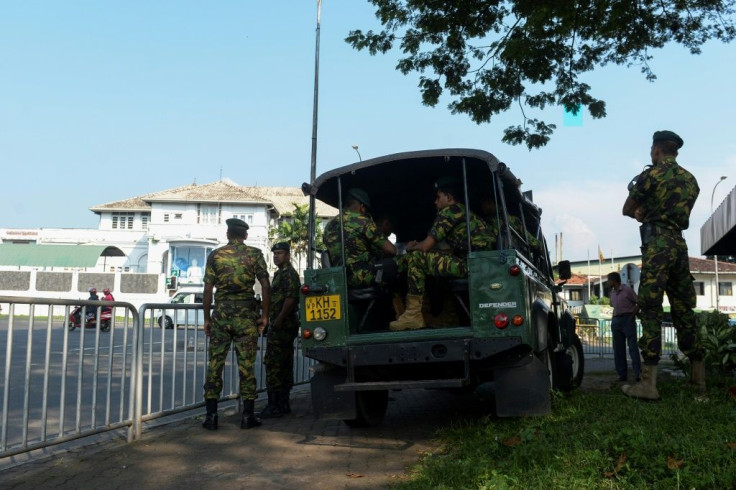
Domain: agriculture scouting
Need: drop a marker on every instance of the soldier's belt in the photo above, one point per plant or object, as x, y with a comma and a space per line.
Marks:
648, 231
240, 302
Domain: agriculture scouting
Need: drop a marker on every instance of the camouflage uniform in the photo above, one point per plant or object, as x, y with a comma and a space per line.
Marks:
449, 226
279, 359
363, 244
666, 192
233, 270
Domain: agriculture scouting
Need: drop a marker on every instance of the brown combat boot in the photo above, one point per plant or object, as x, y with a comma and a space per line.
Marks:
646, 389
398, 304
697, 375
412, 318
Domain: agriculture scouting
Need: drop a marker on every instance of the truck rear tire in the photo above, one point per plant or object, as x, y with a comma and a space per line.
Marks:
370, 408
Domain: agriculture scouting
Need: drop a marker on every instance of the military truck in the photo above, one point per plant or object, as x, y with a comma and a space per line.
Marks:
504, 328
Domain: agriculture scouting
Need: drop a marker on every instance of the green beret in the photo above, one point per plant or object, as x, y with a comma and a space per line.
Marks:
236, 224
281, 246
668, 136
360, 195
446, 182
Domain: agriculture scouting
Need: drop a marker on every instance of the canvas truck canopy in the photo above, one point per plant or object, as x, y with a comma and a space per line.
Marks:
401, 185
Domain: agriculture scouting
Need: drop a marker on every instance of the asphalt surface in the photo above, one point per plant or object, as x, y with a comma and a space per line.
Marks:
297, 450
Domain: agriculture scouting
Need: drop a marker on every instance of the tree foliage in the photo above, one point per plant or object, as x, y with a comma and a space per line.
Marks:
491, 54
295, 230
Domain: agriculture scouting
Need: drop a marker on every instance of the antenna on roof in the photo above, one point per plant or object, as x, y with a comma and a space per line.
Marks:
195, 181
220, 172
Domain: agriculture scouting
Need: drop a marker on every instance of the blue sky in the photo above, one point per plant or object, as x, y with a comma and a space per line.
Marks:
102, 101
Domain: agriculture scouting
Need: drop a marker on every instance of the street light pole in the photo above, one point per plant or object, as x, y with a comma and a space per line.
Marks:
355, 147
713, 226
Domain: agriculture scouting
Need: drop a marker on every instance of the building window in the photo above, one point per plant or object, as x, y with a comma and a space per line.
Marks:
699, 288
177, 216
576, 295
208, 214
725, 289
122, 221
166, 218
145, 218
248, 218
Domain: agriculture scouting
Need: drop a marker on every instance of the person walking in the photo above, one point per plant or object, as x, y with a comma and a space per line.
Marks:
231, 271
623, 327
661, 199
424, 260
282, 329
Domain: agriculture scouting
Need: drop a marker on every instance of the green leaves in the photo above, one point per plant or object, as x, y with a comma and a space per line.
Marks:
489, 56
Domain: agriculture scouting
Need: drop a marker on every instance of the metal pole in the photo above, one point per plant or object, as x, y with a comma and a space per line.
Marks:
313, 167
355, 147
713, 226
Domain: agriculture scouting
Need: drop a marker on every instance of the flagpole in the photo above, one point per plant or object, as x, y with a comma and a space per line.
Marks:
588, 275
600, 281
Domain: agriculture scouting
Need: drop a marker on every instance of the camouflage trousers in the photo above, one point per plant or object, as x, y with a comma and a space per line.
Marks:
279, 358
666, 269
432, 263
234, 325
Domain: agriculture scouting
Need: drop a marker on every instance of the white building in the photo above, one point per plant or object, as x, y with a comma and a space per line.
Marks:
163, 234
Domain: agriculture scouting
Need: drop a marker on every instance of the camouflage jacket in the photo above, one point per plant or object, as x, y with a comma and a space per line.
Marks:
233, 270
667, 193
363, 241
285, 284
450, 226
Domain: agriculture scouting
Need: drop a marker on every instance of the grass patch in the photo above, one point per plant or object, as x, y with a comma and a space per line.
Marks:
594, 440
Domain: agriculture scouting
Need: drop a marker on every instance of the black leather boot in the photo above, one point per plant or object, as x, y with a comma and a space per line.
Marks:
210, 420
284, 401
249, 419
273, 409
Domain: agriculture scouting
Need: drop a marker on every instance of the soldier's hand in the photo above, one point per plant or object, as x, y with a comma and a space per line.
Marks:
207, 328
262, 323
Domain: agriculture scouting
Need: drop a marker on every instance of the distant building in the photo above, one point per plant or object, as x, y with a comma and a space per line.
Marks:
587, 282
168, 233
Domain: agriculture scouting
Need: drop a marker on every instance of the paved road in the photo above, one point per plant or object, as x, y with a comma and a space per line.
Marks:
295, 451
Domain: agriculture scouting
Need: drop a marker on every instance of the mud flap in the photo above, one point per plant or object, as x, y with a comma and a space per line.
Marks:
326, 402
563, 371
523, 389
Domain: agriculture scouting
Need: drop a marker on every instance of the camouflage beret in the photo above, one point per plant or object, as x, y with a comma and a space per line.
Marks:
360, 195
668, 136
236, 224
281, 246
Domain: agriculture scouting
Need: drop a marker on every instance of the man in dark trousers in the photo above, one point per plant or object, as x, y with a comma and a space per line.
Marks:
232, 271
661, 199
623, 327
283, 327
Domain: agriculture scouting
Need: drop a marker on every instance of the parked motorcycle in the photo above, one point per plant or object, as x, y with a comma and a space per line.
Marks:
90, 320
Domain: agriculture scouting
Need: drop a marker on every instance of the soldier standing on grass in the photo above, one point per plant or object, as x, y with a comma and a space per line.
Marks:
661, 198
282, 329
232, 270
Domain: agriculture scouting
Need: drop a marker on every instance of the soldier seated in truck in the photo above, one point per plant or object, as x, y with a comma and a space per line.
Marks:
424, 260
364, 243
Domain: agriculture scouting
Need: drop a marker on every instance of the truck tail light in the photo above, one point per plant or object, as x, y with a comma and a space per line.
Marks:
306, 334
514, 270
518, 320
501, 320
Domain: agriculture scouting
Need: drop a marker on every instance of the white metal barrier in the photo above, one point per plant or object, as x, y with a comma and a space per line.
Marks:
595, 335
61, 383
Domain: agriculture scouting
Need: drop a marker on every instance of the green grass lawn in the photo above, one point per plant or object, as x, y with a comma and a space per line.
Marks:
594, 439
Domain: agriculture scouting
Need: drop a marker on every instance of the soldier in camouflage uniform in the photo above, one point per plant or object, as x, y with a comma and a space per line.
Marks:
232, 270
364, 243
661, 198
425, 260
282, 330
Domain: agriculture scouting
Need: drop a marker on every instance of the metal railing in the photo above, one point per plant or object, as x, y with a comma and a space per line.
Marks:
595, 335
62, 382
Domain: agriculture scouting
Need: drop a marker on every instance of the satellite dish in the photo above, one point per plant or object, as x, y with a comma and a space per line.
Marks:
630, 275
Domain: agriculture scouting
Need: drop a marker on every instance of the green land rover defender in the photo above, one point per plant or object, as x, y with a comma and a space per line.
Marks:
504, 328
